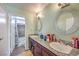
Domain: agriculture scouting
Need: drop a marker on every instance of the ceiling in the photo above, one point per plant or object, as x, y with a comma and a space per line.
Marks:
34, 7
28, 6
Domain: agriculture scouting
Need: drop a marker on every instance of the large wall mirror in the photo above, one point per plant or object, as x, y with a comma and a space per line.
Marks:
67, 22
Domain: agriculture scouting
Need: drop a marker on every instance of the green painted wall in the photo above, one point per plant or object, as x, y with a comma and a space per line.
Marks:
50, 15
14, 10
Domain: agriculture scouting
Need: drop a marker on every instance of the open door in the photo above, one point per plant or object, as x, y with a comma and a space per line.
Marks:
12, 34
17, 32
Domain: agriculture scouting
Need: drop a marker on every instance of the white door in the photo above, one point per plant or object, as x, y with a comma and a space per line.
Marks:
12, 34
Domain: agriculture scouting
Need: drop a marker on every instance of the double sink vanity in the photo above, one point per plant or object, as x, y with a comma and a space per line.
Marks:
43, 48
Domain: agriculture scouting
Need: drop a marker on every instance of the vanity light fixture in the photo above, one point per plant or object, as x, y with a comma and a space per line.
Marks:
63, 5
39, 15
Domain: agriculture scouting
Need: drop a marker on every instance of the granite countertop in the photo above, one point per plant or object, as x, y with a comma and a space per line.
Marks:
74, 52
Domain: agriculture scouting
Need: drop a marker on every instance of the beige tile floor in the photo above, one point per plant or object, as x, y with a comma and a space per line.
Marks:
20, 51
26, 53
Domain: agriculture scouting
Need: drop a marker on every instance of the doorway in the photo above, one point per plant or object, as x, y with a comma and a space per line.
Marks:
17, 31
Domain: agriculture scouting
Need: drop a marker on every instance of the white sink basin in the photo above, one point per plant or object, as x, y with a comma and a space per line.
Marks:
61, 47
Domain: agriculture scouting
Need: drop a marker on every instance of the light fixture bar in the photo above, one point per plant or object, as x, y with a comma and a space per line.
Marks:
63, 5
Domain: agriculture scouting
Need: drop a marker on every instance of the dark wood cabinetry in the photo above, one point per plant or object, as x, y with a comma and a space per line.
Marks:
38, 50
46, 52
32, 44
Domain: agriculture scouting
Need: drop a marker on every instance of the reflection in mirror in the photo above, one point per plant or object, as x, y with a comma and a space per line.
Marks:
65, 22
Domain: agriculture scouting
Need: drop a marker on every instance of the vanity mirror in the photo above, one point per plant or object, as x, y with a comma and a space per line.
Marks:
66, 22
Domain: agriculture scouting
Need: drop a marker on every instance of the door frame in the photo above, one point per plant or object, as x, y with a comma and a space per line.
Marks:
10, 32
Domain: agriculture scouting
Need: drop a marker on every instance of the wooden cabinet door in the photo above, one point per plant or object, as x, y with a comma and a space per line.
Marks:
46, 52
32, 44
37, 49
34, 47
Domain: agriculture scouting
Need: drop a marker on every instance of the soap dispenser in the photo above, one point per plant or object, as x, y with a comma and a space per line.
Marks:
41, 35
48, 37
73, 42
77, 43
45, 38
52, 37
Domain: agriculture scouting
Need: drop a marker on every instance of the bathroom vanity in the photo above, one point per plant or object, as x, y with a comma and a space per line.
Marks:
42, 48
39, 50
